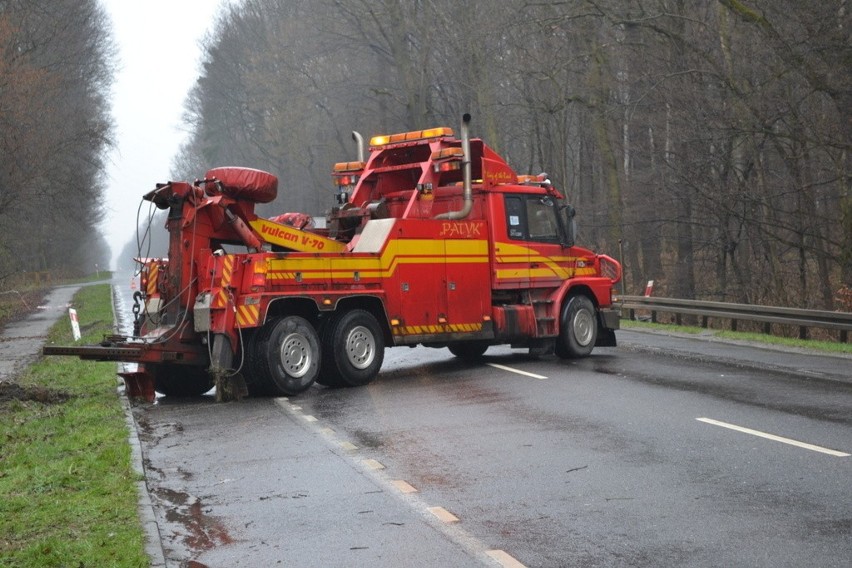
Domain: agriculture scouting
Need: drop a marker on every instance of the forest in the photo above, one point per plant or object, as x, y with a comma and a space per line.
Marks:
709, 141
705, 143
56, 67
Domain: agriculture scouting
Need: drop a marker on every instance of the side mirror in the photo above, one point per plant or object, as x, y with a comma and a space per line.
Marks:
570, 225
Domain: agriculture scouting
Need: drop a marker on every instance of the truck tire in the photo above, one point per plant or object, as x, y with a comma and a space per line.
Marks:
256, 382
180, 380
353, 349
468, 349
579, 328
287, 356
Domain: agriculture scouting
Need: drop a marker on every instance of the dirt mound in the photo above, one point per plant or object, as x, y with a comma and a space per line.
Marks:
13, 391
15, 306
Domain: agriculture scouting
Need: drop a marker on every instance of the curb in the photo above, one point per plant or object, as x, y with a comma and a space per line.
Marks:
145, 508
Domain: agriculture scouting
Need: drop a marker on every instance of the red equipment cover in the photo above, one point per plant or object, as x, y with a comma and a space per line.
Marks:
246, 183
298, 220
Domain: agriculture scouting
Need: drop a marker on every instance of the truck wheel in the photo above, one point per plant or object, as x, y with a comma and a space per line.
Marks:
288, 356
255, 380
468, 349
578, 330
353, 349
180, 380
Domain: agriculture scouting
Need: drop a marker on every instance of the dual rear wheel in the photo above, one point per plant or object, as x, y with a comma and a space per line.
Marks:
288, 354
283, 357
353, 349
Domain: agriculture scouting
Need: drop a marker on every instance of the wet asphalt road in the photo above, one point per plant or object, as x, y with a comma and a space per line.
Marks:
598, 462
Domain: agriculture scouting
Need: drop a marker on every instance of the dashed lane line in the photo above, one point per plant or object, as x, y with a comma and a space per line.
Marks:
506, 560
518, 371
372, 464
408, 492
781, 439
403, 486
443, 515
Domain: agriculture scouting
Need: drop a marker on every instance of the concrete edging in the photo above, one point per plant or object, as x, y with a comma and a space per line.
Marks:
145, 508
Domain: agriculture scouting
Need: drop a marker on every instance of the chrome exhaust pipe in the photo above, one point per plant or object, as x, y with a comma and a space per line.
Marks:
466, 175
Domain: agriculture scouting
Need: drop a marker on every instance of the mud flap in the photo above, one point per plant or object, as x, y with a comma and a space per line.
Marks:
139, 385
606, 338
608, 322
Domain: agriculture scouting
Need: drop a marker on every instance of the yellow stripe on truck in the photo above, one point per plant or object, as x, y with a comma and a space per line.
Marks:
221, 298
400, 251
153, 273
247, 316
440, 328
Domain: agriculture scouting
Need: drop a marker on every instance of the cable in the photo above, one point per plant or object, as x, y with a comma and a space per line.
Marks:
193, 279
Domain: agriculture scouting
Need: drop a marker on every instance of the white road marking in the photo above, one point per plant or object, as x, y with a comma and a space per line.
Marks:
774, 437
349, 446
438, 517
373, 464
310, 418
518, 371
443, 514
403, 486
504, 559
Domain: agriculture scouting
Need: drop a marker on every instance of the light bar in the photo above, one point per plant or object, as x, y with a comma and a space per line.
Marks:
345, 167
447, 153
410, 136
347, 173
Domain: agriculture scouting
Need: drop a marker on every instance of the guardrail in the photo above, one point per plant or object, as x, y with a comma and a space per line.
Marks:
803, 319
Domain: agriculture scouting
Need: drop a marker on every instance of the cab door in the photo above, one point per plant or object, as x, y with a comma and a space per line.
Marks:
532, 253
548, 262
511, 252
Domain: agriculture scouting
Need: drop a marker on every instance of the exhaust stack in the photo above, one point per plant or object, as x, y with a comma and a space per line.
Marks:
466, 175
359, 141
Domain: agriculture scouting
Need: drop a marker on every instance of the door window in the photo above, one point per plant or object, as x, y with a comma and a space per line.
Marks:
531, 218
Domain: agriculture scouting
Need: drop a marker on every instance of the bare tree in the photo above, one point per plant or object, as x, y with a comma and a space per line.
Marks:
55, 70
710, 139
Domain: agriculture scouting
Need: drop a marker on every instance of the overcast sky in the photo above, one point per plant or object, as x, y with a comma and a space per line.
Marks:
158, 43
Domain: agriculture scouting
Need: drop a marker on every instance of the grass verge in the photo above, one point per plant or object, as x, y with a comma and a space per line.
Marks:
67, 489
827, 346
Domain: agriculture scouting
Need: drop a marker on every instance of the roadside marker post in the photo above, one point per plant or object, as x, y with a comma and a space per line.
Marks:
75, 324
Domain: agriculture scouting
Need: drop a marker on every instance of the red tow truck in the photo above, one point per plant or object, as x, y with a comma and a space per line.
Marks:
433, 240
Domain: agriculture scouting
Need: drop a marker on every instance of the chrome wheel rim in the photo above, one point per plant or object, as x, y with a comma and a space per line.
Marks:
296, 355
583, 326
360, 347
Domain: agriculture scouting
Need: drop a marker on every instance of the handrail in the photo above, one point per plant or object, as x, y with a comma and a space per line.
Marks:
804, 319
